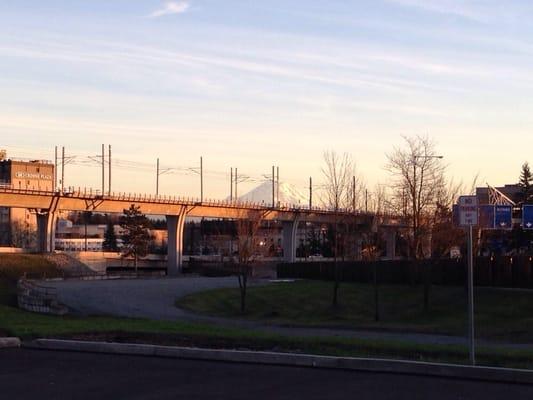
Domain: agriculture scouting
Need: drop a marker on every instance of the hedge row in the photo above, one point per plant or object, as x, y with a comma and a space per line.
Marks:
488, 271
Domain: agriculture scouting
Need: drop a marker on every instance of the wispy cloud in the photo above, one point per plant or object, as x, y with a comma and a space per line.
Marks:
477, 11
169, 8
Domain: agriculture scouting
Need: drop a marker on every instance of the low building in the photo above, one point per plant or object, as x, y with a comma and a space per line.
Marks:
79, 244
489, 195
18, 225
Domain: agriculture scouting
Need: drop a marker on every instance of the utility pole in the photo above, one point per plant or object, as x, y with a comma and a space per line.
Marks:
231, 185
103, 169
157, 179
310, 192
277, 185
236, 181
273, 188
366, 200
201, 180
109, 180
62, 169
55, 168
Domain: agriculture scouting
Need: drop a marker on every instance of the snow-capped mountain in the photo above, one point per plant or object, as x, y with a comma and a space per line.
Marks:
288, 195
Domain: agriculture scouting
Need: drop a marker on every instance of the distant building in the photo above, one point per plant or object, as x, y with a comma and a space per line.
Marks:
90, 237
18, 225
512, 192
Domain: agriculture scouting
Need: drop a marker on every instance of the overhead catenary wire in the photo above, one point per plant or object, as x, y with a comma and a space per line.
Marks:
84, 160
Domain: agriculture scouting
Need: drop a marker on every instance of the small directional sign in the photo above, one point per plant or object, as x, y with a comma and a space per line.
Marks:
486, 216
503, 217
527, 216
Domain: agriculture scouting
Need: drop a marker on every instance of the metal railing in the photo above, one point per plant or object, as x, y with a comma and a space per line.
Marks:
92, 194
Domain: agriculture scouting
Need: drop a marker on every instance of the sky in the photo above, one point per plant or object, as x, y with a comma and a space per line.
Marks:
251, 84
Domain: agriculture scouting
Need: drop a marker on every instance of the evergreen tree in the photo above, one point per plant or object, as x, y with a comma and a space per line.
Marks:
110, 239
525, 183
136, 238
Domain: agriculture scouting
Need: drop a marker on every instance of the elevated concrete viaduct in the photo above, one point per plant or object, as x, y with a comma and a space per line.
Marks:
46, 204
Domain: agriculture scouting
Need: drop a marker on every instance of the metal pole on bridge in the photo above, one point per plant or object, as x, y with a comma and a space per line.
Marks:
103, 169
157, 179
310, 192
201, 179
109, 166
231, 185
273, 188
277, 185
236, 181
55, 168
62, 169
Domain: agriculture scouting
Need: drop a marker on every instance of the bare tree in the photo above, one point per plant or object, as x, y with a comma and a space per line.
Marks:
338, 173
418, 175
23, 235
247, 229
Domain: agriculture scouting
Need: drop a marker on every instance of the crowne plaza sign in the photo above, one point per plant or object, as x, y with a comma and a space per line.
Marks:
33, 175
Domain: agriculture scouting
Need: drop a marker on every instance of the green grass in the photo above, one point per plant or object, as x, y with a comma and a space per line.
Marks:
29, 325
295, 298
14, 266
500, 314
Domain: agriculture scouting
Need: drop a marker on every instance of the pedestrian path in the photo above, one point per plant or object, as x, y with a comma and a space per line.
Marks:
156, 298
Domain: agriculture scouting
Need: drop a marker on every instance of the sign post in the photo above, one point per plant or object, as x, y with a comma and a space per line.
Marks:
468, 217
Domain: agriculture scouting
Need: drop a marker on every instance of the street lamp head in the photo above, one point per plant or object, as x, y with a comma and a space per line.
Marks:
427, 157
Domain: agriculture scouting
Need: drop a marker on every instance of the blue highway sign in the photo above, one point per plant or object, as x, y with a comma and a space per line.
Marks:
486, 216
503, 217
527, 216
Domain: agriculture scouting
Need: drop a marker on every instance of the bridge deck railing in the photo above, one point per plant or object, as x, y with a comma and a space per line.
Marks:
92, 194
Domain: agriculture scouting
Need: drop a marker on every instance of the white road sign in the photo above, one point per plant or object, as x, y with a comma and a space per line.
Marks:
468, 211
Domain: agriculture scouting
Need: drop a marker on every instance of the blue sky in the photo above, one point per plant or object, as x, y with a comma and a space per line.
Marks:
251, 84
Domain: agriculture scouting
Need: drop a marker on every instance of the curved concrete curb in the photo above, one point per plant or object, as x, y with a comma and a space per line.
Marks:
6, 342
300, 360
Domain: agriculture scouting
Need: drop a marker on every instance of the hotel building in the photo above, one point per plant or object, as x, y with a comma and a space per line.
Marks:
18, 225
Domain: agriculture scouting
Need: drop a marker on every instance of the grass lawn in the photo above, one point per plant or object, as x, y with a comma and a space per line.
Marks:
505, 315
30, 325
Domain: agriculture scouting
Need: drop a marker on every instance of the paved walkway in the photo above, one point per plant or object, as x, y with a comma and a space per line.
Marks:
155, 299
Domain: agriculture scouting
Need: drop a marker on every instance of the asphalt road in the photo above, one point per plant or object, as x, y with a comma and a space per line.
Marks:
38, 374
155, 299
137, 298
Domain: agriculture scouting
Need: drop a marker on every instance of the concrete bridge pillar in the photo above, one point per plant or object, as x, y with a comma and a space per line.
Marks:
46, 231
289, 229
175, 229
390, 239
